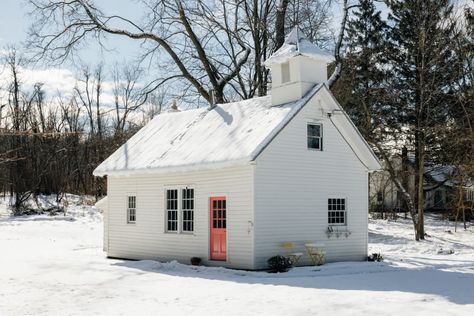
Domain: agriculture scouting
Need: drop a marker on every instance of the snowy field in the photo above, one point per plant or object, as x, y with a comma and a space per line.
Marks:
55, 266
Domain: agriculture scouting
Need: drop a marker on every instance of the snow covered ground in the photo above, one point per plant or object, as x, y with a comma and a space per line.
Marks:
55, 266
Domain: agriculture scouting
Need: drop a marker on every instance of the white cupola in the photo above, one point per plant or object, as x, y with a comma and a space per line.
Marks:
296, 67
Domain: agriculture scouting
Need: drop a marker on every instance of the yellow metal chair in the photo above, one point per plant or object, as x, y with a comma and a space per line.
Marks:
289, 247
316, 253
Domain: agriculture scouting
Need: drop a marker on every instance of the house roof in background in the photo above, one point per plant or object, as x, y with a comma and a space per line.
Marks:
442, 174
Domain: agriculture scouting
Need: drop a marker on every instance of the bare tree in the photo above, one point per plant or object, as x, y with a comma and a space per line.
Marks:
128, 94
60, 27
216, 46
339, 43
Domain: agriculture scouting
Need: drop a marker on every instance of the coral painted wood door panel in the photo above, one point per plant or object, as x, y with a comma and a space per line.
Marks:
218, 231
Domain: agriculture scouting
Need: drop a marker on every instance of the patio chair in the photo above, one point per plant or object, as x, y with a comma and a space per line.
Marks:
289, 247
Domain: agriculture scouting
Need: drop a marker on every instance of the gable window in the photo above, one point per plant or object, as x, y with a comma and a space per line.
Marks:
315, 136
285, 72
337, 211
172, 210
180, 210
131, 209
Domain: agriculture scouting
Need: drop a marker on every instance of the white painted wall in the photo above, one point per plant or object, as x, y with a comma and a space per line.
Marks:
103, 205
105, 213
147, 239
304, 74
293, 185
311, 70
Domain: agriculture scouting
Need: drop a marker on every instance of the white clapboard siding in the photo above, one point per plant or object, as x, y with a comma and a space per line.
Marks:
102, 205
147, 239
293, 184
105, 213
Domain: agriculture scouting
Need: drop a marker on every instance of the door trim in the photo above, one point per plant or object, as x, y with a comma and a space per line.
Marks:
211, 199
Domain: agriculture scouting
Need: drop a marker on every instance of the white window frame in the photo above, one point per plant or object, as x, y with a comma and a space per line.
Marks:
180, 209
190, 210
130, 209
320, 137
167, 210
345, 210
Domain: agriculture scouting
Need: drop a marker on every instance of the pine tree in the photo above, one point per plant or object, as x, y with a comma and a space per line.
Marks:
422, 66
360, 89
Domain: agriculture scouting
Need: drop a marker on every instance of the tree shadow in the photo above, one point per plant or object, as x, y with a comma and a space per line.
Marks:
36, 218
378, 237
456, 287
226, 116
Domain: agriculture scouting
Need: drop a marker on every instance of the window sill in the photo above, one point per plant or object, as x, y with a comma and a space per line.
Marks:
180, 233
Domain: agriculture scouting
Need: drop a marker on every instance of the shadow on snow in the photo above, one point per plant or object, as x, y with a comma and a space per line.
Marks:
421, 278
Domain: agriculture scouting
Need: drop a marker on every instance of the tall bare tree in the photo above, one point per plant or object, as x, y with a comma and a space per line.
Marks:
173, 27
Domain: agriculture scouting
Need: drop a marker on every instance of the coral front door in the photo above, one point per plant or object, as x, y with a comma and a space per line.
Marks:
218, 240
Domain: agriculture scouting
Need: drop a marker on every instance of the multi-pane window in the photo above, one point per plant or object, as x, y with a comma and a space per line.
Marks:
315, 136
336, 211
172, 210
131, 209
188, 209
218, 214
180, 210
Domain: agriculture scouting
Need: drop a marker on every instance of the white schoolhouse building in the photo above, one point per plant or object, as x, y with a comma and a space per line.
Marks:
231, 184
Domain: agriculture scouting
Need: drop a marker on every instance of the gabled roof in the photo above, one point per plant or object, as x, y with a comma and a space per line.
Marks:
230, 134
446, 175
297, 44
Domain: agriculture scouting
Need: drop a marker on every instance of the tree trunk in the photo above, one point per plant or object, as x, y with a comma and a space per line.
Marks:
337, 50
280, 23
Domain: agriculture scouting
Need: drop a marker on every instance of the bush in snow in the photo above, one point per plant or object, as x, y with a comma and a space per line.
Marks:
375, 257
195, 261
279, 264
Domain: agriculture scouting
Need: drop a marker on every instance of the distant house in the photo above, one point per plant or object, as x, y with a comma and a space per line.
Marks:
231, 184
440, 185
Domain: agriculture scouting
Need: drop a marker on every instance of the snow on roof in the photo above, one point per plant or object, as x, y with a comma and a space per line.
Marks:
442, 174
297, 44
230, 134
102, 204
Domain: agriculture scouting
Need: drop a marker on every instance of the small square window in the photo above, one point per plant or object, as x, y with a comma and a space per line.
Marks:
315, 136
